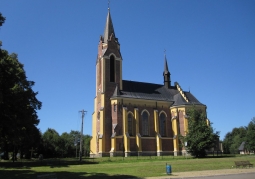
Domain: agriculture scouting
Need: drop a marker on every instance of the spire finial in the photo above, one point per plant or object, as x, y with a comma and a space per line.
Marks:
165, 52
108, 5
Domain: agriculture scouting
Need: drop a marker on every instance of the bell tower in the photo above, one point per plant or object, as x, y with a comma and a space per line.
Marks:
108, 76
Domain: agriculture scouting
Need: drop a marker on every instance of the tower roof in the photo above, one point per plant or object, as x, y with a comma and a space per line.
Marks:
166, 67
109, 30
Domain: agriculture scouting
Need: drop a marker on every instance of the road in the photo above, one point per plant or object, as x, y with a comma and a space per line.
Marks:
232, 176
233, 173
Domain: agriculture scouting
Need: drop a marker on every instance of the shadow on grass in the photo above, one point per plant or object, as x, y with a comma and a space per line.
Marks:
27, 174
220, 156
55, 163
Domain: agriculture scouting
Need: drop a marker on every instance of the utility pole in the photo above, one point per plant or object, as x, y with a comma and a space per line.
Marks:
82, 116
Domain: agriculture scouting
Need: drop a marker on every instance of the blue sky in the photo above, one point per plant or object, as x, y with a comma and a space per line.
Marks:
210, 47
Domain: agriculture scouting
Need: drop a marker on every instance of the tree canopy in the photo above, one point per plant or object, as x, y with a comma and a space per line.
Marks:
2, 19
200, 136
64, 145
250, 135
233, 139
18, 103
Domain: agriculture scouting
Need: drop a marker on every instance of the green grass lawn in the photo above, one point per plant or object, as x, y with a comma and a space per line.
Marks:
115, 167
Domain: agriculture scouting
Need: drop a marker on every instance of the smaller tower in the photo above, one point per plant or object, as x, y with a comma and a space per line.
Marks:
166, 75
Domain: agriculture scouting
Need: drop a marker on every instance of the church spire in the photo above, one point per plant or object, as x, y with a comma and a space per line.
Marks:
109, 30
166, 74
166, 67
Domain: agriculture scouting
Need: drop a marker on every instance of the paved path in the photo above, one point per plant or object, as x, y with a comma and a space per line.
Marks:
232, 176
243, 173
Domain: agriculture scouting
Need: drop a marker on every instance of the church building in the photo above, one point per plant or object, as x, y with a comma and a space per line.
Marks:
131, 117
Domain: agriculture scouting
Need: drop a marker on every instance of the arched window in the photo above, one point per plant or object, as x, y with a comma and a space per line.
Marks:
145, 123
130, 124
162, 124
112, 69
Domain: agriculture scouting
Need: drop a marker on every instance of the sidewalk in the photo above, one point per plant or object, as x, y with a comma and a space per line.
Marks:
206, 173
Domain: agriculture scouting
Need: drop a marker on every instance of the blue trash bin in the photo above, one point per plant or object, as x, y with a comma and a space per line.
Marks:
168, 169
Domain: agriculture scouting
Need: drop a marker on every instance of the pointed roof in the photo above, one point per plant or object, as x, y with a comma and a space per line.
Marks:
166, 67
242, 146
116, 91
109, 30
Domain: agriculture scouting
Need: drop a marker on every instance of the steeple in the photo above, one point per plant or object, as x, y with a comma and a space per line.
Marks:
166, 74
109, 60
109, 30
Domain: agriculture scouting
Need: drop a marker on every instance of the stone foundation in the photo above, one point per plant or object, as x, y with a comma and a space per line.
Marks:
135, 153
127, 154
159, 153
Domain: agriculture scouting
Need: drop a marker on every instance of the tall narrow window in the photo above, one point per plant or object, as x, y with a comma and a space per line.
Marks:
162, 124
99, 71
145, 123
130, 124
114, 107
112, 69
98, 115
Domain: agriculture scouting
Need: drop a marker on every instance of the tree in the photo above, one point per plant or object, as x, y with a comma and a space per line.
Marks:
18, 103
68, 144
239, 136
75, 138
227, 142
55, 145
233, 140
250, 136
86, 139
51, 143
70, 141
200, 136
2, 19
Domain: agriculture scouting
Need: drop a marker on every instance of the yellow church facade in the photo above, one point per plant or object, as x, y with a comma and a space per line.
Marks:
135, 118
